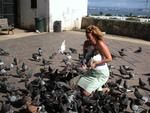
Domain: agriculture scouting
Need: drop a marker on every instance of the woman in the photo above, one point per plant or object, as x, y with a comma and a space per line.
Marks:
98, 73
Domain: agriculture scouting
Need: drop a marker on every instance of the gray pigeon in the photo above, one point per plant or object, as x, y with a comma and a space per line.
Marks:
40, 51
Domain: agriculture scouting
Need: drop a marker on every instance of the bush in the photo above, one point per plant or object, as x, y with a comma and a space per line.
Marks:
133, 19
108, 14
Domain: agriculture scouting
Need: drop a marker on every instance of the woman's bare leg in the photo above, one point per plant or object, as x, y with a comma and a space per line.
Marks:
105, 90
85, 93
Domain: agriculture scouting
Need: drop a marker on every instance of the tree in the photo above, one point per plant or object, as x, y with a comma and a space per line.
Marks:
108, 14
130, 14
100, 13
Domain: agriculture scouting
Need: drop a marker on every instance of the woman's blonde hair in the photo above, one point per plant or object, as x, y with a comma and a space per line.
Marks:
95, 31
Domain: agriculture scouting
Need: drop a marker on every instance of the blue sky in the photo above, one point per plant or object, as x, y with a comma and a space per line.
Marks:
120, 3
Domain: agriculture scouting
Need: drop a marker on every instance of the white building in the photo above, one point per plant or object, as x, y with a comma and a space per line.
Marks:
68, 12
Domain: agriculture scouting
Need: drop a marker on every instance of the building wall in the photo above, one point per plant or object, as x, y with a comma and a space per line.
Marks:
28, 15
69, 12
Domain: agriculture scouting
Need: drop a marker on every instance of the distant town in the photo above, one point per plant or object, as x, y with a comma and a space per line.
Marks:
116, 11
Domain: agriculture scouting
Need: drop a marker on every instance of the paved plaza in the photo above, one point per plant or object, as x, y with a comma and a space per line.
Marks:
23, 45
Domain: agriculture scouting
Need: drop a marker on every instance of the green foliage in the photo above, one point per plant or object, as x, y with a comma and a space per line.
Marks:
100, 13
95, 14
108, 14
130, 14
133, 19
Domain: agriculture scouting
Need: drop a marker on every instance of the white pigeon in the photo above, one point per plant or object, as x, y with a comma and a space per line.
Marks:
1, 62
62, 47
11, 65
69, 57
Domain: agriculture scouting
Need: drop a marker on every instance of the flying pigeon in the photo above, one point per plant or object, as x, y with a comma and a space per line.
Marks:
62, 47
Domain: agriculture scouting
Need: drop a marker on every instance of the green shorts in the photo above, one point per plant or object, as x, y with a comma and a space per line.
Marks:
94, 80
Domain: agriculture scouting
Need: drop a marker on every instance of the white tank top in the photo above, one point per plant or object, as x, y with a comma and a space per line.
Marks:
98, 57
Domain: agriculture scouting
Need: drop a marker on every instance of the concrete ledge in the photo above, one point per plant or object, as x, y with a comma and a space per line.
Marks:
124, 28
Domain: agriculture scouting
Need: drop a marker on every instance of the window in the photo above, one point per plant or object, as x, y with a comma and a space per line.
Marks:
33, 3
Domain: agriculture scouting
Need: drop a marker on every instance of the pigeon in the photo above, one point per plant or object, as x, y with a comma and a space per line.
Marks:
1, 62
62, 47
24, 67
50, 69
19, 72
66, 61
73, 50
80, 56
131, 74
43, 109
3, 52
36, 100
137, 93
53, 55
128, 68
135, 108
121, 53
125, 85
124, 100
119, 81
3, 72
6, 107
36, 57
140, 96
40, 51
69, 57
148, 80
13, 97
45, 62
141, 83
122, 71
111, 66
29, 74
15, 61
139, 50
11, 65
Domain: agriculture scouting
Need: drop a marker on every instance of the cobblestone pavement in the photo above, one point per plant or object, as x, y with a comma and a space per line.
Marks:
22, 48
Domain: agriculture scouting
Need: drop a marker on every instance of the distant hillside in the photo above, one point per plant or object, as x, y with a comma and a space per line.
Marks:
120, 3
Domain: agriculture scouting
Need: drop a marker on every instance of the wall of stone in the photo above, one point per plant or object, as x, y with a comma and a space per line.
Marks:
118, 27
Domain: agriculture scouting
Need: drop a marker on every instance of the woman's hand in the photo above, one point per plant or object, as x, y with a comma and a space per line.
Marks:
93, 65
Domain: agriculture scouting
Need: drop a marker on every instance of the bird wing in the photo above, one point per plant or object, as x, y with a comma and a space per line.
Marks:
63, 47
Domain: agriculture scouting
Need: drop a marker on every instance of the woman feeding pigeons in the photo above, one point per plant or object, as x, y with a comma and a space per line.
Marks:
96, 55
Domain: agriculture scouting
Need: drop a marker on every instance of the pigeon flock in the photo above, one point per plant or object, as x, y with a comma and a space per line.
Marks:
50, 92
